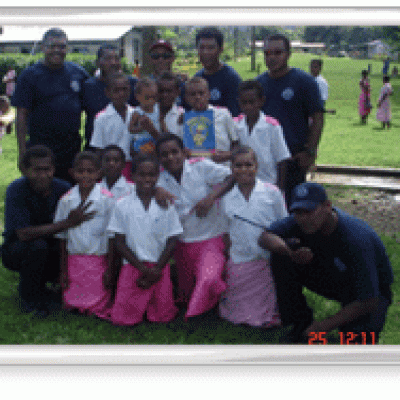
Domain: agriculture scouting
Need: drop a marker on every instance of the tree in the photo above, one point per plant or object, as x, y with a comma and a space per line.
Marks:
149, 37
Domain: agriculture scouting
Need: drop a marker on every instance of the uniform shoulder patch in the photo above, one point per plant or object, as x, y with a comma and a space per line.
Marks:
271, 120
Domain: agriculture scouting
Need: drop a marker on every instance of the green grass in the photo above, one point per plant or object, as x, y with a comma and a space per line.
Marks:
344, 141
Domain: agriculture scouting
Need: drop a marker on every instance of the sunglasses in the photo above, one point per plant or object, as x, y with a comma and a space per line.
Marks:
165, 56
274, 52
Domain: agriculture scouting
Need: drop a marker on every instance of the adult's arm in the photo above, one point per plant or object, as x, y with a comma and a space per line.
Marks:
22, 131
74, 218
347, 314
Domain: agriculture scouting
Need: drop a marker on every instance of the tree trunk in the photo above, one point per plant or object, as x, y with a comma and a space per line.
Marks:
253, 48
149, 37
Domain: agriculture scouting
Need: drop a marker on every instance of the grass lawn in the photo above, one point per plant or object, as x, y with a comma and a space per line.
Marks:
344, 141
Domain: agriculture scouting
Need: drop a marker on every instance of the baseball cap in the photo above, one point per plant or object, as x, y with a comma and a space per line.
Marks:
162, 43
307, 196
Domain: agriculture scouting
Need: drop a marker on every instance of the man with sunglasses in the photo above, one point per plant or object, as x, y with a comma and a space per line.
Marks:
94, 98
293, 98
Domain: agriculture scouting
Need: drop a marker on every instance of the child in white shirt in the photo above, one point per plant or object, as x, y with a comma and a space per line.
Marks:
200, 251
262, 133
145, 236
251, 205
84, 249
111, 125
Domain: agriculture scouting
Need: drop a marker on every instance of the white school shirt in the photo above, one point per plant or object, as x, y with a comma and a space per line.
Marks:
120, 188
146, 231
171, 119
198, 177
224, 128
267, 141
110, 128
89, 237
265, 205
323, 87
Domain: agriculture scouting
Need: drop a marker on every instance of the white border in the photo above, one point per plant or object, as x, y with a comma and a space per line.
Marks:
20, 355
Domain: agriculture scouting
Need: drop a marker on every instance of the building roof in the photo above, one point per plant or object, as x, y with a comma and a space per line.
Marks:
34, 33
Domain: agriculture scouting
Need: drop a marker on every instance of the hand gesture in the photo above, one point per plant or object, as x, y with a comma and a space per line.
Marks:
134, 125
163, 197
79, 215
146, 124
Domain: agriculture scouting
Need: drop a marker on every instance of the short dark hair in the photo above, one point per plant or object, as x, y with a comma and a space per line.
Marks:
251, 84
364, 72
242, 149
285, 40
115, 76
87, 155
194, 80
166, 137
144, 83
104, 48
113, 147
37, 151
210, 32
144, 157
317, 61
169, 76
386, 78
54, 33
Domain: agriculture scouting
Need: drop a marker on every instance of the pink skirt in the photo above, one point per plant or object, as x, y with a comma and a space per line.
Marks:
132, 302
86, 291
199, 267
250, 295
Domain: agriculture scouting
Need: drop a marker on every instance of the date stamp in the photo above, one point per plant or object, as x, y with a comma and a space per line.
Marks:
345, 338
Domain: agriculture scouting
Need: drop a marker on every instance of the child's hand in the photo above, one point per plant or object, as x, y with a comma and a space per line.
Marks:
302, 255
146, 124
221, 156
203, 207
79, 214
134, 126
163, 197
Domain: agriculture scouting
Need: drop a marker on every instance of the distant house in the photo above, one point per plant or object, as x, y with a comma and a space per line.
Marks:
297, 45
84, 39
376, 48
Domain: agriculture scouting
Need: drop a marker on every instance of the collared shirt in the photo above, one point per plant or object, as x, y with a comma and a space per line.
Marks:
146, 231
198, 178
171, 119
110, 128
267, 141
121, 187
265, 205
90, 236
224, 127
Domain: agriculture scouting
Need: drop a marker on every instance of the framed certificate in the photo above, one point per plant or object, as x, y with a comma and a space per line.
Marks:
199, 132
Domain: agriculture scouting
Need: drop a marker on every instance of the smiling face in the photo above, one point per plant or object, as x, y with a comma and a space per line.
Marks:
244, 169
168, 92
171, 157
276, 57
40, 174
113, 164
118, 92
86, 174
145, 177
161, 60
147, 97
55, 51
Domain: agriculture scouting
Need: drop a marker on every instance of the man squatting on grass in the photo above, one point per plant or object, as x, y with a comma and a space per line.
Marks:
29, 246
335, 255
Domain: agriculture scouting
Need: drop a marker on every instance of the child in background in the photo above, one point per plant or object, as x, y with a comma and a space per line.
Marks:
250, 294
168, 92
7, 116
364, 100
145, 122
200, 252
113, 163
111, 124
145, 236
383, 113
84, 248
262, 133
197, 95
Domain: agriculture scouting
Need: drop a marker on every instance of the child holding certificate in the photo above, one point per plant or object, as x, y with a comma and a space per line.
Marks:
197, 96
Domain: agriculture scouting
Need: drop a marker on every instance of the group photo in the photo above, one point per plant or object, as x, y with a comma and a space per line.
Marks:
160, 185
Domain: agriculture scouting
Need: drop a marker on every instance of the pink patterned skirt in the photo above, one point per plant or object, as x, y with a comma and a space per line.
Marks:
250, 295
132, 302
199, 267
86, 291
